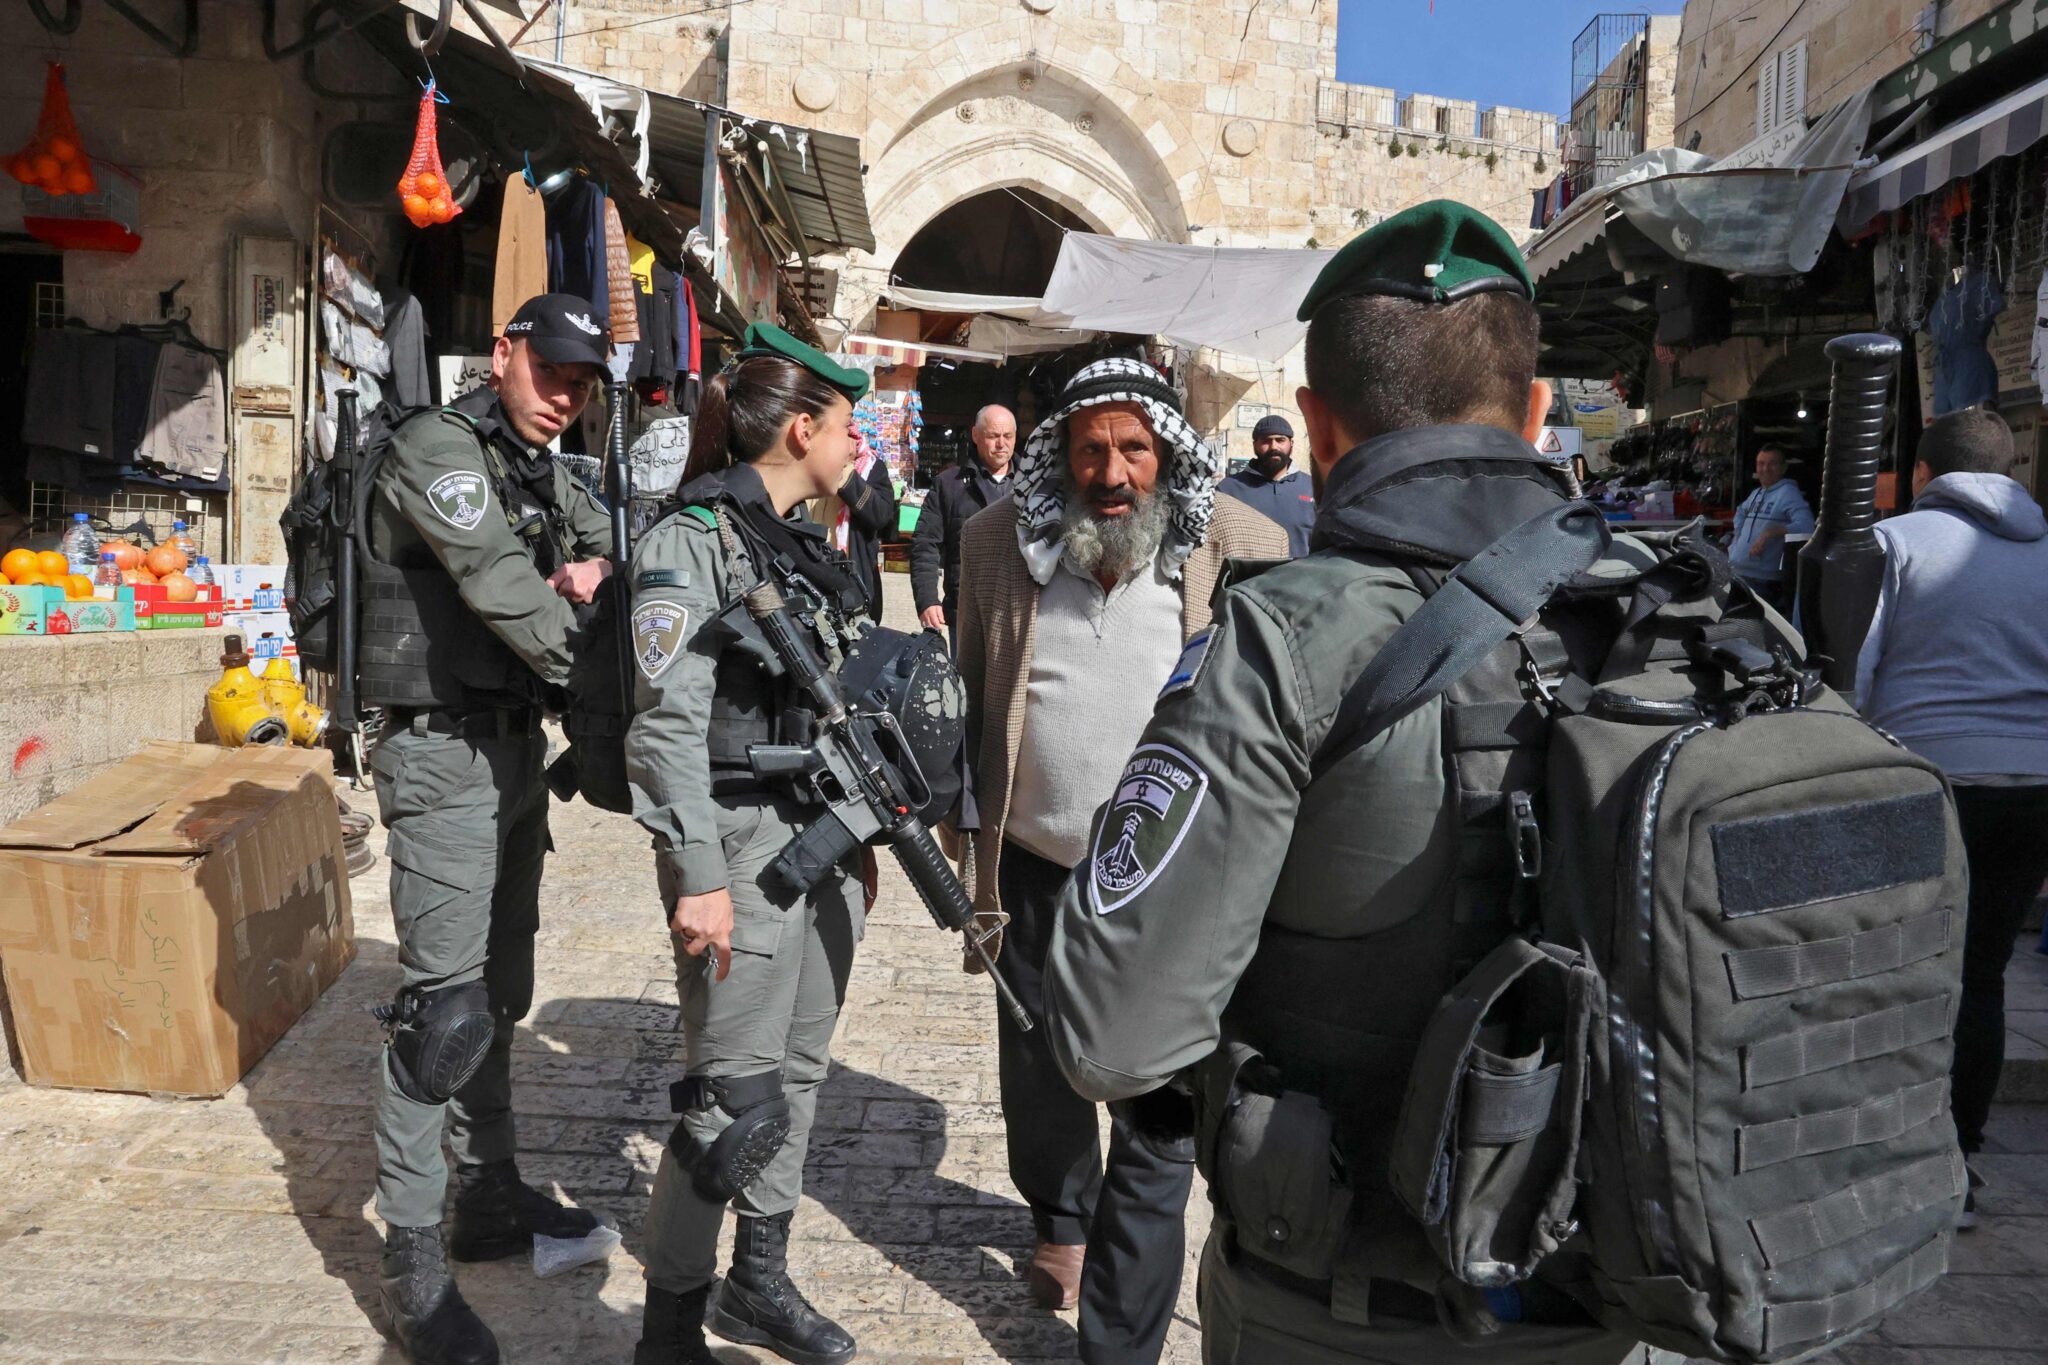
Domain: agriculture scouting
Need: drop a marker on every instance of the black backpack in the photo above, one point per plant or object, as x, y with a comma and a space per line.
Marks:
313, 526
1714, 1063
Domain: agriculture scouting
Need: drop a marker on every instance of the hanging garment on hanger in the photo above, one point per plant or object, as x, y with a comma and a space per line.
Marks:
576, 263
618, 264
522, 271
187, 429
70, 399
412, 378
1965, 375
689, 346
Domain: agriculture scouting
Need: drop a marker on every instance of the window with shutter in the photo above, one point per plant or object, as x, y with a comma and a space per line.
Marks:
1767, 95
1781, 88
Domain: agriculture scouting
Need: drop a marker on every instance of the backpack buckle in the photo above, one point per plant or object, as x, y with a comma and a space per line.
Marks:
1525, 835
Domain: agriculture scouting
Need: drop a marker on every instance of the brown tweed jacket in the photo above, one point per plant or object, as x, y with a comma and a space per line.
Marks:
999, 623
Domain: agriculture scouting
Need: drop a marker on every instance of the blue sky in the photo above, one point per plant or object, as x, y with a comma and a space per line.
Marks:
1512, 52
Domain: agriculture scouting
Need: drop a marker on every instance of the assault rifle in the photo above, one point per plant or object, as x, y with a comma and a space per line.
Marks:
869, 796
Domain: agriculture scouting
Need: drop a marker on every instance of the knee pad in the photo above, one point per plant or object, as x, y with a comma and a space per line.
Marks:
736, 1157
438, 1038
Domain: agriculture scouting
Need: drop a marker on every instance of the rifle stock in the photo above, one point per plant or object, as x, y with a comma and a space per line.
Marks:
343, 708
1841, 569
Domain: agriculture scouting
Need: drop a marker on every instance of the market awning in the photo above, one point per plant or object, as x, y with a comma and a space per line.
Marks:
818, 173
1239, 300
909, 352
1018, 307
1954, 153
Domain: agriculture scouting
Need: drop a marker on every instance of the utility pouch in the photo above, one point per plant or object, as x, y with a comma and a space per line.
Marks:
1281, 1181
1487, 1141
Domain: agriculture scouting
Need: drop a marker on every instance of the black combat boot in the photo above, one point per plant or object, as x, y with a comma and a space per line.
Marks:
497, 1214
672, 1329
759, 1306
432, 1323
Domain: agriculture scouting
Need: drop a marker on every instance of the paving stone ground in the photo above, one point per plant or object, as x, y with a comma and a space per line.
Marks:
237, 1230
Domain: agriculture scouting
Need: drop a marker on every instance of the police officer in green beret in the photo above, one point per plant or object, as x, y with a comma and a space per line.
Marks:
479, 545
761, 968
1271, 925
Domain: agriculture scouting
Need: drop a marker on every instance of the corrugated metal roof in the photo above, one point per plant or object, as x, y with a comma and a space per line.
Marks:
820, 172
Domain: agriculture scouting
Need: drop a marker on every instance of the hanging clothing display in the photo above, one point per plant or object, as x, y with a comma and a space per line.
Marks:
1965, 375
522, 271
618, 265
576, 259
188, 414
140, 405
412, 376
689, 345
2039, 356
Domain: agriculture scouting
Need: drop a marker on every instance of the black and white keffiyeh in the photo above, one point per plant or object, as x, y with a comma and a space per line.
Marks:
1189, 476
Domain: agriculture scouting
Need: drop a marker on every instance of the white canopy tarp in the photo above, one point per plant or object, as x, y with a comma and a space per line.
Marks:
1008, 337
1021, 309
1240, 300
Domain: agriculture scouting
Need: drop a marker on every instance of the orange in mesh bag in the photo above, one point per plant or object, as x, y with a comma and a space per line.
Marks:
423, 189
54, 161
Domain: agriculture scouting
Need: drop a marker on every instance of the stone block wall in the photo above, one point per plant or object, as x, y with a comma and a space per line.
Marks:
222, 142
1849, 44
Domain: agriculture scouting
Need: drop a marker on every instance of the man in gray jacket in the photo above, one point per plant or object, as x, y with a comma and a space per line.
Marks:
1956, 666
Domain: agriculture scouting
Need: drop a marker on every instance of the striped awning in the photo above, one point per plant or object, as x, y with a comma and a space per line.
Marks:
909, 352
1954, 153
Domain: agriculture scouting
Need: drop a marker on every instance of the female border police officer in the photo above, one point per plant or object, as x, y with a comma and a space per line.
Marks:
761, 968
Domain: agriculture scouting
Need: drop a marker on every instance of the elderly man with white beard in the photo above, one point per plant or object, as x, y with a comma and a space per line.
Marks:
1081, 592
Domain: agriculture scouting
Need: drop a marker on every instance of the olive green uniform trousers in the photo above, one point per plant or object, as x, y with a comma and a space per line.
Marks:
468, 822
775, 1011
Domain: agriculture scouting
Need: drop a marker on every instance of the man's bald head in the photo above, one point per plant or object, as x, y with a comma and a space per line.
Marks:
995, 437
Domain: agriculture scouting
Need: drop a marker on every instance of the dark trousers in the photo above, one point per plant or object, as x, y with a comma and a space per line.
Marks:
1133, 1214
2005, 833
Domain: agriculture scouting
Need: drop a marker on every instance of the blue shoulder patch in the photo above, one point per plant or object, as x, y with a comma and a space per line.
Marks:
1188, 667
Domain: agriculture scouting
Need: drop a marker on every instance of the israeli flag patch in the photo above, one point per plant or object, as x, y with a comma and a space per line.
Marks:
1137, 835
1188, 667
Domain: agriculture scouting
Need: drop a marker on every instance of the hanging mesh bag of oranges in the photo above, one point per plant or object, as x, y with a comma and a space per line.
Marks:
54, 161
423, 190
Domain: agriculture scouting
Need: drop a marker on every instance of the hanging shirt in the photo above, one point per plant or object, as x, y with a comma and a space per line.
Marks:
576, 260
522, 252
1782, 504
1965, 375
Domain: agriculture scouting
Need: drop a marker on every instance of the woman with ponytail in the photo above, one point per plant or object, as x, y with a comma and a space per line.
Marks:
761, 968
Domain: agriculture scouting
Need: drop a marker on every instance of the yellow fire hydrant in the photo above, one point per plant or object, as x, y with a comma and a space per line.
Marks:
286, 695
236, 705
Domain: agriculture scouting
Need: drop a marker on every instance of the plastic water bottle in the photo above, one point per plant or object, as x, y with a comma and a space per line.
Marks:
81, 546
201, 572
106, 580
182, 538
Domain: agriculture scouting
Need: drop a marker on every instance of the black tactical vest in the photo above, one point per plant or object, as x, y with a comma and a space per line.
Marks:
419, 645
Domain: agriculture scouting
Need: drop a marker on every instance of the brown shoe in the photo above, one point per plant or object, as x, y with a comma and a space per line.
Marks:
1055, 1274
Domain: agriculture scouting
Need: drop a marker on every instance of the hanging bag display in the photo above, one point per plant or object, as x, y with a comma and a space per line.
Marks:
423, 190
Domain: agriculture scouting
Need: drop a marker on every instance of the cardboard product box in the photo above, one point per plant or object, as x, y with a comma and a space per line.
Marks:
92, 617
251, 587
22, 610
266, 634
164, 924
154, 609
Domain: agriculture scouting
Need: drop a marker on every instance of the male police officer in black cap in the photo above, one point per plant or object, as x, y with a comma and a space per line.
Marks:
479, 544
1272, 485
1281, 928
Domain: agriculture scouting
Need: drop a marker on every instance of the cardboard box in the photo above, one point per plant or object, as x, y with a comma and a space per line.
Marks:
154, 609
266, 635
22, 609
250, 587
87, 618
162, 925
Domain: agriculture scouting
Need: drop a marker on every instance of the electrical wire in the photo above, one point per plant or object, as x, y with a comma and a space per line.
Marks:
1769, 44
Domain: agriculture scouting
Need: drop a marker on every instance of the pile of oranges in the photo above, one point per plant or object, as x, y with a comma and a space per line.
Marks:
165, 564
57, 167
46, 569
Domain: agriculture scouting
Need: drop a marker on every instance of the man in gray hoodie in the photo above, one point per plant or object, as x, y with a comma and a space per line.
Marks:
1956, 666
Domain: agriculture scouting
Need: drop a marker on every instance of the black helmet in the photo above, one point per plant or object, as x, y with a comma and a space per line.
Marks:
912, 677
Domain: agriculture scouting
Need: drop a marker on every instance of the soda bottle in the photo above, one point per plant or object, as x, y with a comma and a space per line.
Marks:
81, 546
182, 538
106, 580
201, 572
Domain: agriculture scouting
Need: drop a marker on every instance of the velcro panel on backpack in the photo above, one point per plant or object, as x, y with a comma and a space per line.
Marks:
1788, 1234
1790, 1327
1824, 1047
1781, 862
1878, 1120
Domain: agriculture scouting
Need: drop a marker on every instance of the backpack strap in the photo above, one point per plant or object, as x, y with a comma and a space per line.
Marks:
1479, 607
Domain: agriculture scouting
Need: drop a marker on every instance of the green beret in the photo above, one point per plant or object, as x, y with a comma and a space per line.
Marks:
1437, 252
765, 338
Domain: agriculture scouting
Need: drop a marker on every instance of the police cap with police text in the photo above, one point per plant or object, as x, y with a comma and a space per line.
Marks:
562, 328
766, 339
1436, 252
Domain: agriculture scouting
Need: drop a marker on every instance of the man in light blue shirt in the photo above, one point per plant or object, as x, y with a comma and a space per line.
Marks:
1775, 508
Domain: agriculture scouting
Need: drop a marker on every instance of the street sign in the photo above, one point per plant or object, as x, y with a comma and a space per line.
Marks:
1561, 443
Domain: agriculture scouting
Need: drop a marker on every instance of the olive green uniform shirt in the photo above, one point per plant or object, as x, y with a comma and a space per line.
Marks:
436, 489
